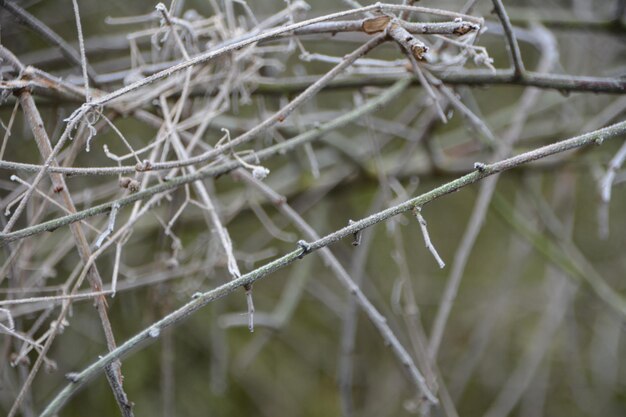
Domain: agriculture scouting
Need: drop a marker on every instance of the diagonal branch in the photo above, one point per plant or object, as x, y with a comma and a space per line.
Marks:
114, 369
202, 299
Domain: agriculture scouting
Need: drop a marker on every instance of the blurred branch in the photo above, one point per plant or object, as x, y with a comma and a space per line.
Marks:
27, 19
561, 252
474, 78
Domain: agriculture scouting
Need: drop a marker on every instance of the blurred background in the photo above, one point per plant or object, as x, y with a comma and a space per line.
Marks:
535, 265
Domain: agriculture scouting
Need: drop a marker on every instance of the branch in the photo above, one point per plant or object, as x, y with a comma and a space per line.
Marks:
377, 24
561, 82
202, 299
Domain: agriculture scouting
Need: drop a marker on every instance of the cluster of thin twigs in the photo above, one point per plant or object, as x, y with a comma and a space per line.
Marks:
143, 144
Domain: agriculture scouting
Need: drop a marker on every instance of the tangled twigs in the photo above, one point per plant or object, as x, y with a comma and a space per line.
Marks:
176, 182
318, 109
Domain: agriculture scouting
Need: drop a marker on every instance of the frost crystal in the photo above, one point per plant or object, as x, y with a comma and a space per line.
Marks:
154, 332
259, 172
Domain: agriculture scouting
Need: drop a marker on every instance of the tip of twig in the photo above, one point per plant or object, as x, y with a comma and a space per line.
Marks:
250, 303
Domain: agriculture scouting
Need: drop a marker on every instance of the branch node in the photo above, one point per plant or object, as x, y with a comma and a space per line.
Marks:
146, 165
73, 377
480, 166
306, 248
154, 332
356, 241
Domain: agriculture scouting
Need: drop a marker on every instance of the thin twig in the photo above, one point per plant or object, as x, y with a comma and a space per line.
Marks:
513, 46
81, 47
417, 212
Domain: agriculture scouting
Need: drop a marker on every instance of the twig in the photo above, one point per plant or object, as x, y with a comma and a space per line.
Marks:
370, 310
285, 111
350, 320
474, 121
513, 47
426, 85
29, 300
417, 212
81, 47
207, 202
606, 184
212, 54
8, 129
411, 44
377, 24
251, 134
110, 226
560, 82
12, 60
